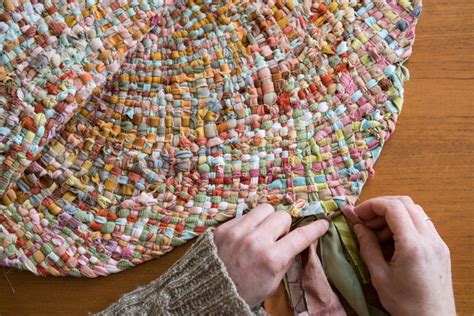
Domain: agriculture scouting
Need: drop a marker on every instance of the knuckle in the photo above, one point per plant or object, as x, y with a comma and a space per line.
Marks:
231, 234
398, 204
285, 214
303, 235
419, 209
285, 217
394, 206
267, 207
406, 199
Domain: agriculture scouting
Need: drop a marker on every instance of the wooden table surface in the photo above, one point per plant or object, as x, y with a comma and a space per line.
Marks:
430, 157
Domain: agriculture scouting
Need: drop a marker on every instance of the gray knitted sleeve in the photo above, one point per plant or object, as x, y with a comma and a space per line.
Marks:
196, 284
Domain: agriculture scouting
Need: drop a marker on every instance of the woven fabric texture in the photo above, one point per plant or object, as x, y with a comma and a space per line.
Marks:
129, 127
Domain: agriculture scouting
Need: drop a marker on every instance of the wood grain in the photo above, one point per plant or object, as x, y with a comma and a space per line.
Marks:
430, 157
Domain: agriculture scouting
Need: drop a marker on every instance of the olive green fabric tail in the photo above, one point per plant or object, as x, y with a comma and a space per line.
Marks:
351, 248
342, 265
340, 272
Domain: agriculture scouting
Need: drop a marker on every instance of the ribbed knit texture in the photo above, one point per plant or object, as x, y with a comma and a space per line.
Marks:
196, 284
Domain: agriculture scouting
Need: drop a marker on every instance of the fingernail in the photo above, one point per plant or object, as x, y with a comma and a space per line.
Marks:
325, 221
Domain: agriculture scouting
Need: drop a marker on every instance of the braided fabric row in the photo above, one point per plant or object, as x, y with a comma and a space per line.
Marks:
129, 128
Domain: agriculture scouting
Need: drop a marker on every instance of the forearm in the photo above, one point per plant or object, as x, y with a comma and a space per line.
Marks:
197, 283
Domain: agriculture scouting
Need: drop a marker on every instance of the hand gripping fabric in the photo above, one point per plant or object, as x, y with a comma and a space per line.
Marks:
129, 127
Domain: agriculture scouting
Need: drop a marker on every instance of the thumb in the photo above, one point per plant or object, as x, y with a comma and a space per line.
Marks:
302, 237
370, 250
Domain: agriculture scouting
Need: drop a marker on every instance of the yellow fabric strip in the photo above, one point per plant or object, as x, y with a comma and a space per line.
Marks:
351, 247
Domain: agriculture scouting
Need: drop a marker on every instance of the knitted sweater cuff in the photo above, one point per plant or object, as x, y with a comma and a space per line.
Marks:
198, 283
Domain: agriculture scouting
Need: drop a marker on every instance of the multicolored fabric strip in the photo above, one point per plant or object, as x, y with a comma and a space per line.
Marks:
129, 127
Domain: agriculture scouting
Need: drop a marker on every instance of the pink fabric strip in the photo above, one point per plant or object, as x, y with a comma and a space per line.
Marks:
308, 287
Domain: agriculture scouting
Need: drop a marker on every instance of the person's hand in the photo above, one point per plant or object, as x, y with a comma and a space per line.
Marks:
257, 249
416, 280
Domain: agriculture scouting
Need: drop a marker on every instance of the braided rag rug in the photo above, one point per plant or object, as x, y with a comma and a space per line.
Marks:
129, 127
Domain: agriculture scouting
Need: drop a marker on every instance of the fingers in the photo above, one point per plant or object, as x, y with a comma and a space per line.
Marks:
395, 214
230, 223
417, 217
416, 212
242, 225
384, 234
256, 216
371, 251
376, 223
277, 224
300, 239
379, 226
428, 223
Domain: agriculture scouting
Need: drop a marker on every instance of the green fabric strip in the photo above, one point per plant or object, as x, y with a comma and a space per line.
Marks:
341, 273
351, 248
